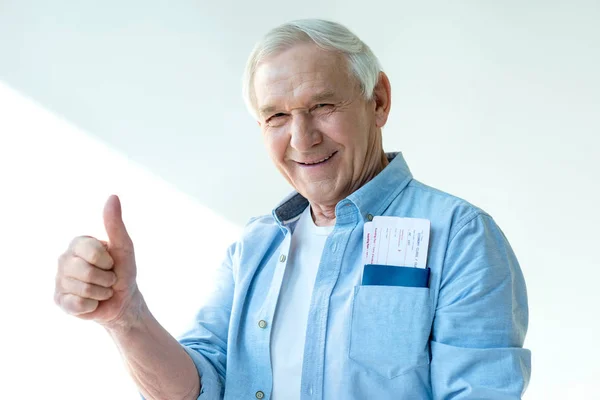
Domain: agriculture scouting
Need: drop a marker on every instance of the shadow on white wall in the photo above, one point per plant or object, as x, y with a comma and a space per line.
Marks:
54, 181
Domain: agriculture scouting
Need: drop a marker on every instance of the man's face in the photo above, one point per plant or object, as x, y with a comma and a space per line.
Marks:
319, 131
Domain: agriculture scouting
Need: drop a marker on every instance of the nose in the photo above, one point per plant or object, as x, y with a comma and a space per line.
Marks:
304, 134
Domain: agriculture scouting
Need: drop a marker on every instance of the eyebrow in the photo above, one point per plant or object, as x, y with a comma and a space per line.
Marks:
317, 98
266, 110
323, 96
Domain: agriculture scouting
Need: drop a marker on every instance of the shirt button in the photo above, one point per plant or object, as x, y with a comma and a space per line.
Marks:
282, 258
262, 324
334, 247
370, 217
260, 395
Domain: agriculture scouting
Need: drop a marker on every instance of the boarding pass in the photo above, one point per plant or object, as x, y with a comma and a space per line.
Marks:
396, 241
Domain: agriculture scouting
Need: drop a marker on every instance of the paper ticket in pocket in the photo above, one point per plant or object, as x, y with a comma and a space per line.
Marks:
396, 241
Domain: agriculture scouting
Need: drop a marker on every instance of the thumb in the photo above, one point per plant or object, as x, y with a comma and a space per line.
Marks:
118, 238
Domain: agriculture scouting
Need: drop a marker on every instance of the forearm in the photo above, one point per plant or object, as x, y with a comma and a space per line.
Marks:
159, 365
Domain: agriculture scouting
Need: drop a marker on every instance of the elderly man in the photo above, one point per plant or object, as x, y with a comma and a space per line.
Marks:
305, 305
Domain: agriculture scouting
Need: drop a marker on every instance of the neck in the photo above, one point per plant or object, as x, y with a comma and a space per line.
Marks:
324, 215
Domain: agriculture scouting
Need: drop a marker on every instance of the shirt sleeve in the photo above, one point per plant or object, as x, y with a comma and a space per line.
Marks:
206, 341
481, 318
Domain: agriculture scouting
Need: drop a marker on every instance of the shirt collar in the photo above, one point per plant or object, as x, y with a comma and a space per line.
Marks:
371, 199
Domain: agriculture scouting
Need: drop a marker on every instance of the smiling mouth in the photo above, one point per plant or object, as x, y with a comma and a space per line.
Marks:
317, 162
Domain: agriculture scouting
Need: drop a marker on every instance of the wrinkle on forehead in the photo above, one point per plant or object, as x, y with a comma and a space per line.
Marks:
299, 74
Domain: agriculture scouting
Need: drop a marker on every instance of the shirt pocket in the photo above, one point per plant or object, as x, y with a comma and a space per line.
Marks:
390, 328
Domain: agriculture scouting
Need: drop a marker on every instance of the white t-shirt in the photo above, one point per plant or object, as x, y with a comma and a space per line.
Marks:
291, 315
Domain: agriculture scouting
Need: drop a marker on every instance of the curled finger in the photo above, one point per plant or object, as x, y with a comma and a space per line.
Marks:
85, 290
76, 305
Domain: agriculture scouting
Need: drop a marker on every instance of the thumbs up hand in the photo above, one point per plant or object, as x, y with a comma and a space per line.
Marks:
96, 280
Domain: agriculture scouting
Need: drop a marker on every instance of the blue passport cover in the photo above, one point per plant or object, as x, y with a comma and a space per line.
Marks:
390, 275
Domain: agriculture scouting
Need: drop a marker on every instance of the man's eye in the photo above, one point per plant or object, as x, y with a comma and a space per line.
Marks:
323, 106
276, 119
275, 116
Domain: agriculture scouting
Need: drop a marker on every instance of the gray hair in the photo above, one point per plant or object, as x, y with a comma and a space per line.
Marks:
330, 36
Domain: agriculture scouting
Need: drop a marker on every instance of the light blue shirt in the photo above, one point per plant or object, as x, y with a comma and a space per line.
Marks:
460, 338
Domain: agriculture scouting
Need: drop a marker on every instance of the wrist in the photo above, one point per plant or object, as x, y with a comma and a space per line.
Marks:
132, 316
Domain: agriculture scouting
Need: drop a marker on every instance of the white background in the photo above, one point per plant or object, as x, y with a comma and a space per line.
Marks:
496, 102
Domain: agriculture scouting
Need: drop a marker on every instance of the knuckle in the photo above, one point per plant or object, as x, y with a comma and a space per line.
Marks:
86, 247
110, 260
76, 305
107, 293
87, 290
94, 256
59, 284
79, 303
112, 277
75, 242
104, 279
88, 274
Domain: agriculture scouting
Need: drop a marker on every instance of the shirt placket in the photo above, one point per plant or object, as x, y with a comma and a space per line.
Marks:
313, 367
266, 314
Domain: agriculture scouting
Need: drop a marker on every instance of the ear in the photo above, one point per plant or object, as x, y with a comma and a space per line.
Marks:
382, 97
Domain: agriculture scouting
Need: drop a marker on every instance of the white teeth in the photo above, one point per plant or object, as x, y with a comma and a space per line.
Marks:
317, 162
